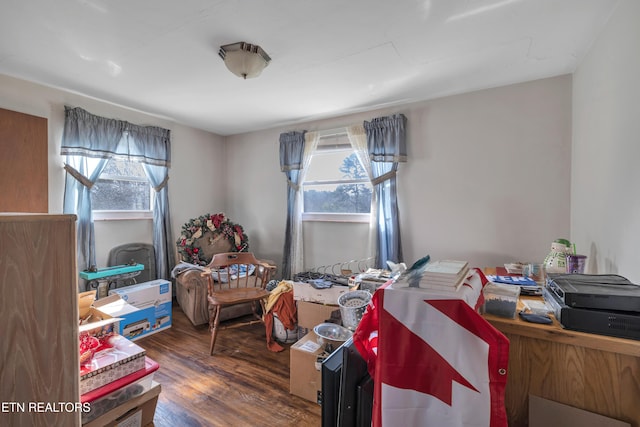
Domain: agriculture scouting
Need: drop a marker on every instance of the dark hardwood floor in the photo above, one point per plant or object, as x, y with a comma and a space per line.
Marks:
242, 384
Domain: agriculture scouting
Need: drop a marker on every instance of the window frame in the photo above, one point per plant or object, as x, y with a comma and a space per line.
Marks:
325, 146
103, 215
124, 214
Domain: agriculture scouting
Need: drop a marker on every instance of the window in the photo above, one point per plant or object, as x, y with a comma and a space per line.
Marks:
336, 186
122, 192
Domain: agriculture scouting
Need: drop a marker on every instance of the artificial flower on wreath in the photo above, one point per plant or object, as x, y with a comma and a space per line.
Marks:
220, 226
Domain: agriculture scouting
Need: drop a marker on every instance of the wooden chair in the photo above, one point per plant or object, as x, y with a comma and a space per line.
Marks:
226, 287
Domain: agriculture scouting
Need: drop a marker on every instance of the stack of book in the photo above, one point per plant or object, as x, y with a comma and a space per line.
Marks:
445, 275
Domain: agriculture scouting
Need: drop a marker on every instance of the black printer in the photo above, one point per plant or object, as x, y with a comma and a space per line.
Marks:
606, 304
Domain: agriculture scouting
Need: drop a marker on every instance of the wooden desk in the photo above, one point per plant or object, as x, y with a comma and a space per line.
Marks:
593, 372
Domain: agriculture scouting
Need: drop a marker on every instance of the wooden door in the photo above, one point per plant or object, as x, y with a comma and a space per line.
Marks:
24, 168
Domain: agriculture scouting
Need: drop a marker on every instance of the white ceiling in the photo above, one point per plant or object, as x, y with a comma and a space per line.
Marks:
329, 57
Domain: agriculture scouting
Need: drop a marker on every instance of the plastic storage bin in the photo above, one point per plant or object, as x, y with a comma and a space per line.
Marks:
500, 300
108, 397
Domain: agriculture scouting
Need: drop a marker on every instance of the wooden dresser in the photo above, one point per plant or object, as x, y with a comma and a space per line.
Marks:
38, 321
596, 373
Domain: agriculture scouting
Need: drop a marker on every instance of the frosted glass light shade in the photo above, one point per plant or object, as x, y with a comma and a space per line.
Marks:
244, 59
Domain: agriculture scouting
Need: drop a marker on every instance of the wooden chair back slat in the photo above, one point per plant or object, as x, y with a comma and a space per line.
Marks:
237, 288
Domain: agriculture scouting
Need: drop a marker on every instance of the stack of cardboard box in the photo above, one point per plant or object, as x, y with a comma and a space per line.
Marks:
116, 383
315, 306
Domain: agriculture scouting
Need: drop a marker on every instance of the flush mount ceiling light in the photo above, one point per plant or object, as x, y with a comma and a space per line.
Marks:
244, 59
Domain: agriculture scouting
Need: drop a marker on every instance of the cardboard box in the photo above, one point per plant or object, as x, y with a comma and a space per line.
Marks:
306, 292
544, 412
96, 323
311, 314
111, 364
133, 322
145, 294
85, 301
305, 379
153, 299
94, 332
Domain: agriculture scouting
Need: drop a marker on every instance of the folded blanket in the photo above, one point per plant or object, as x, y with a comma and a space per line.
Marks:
182, 266
224, 273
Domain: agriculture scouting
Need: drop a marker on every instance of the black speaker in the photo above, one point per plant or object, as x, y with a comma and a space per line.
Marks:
354, 372
331, 372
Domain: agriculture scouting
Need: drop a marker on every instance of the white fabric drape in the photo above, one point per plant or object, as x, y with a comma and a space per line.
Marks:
297, 248
358, 139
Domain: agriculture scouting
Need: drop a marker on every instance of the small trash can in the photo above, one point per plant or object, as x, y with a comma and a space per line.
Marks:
352, 306
282, 334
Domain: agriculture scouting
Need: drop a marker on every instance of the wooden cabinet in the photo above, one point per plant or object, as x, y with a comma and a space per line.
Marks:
39, 374
597, 373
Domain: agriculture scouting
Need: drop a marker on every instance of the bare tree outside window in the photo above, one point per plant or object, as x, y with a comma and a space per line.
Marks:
343, 186
122, 186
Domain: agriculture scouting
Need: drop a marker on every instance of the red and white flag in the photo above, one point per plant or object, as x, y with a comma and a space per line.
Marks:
435, 361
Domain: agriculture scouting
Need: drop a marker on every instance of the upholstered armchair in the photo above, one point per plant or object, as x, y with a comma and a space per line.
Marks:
191, 294
200, 239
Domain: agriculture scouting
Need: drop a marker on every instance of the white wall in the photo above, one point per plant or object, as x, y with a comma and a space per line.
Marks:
605, 207
255, 196
487, 179
195, 180
257, 199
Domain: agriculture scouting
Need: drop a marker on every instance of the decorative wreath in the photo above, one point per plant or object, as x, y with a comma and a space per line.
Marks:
220, 228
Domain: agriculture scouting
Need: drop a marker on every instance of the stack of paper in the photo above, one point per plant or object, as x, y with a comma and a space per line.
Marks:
528, 286
446, 275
